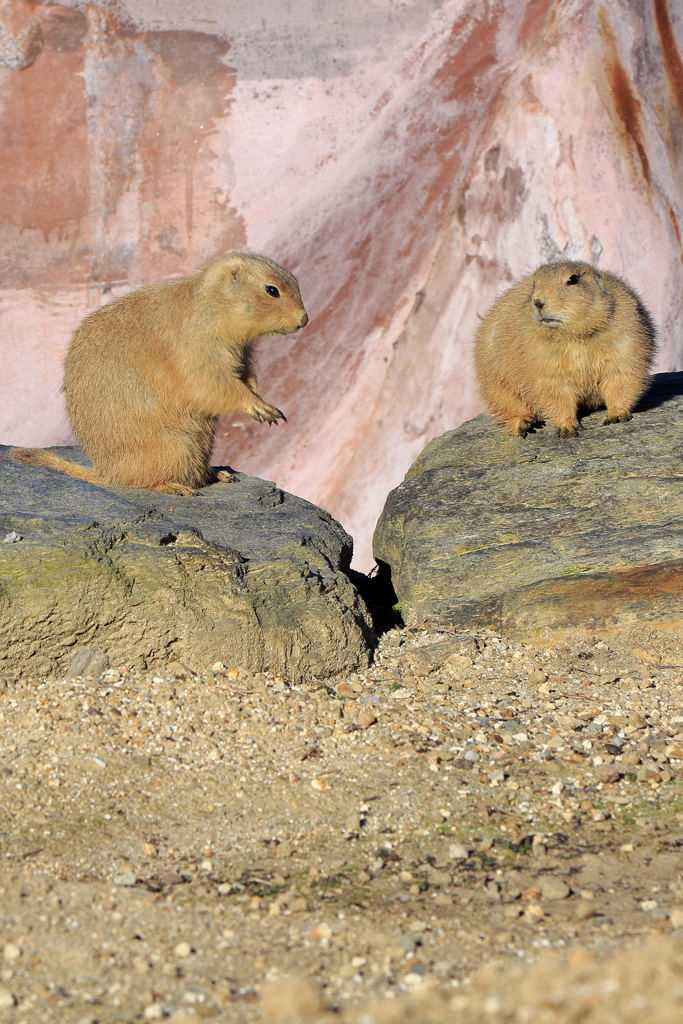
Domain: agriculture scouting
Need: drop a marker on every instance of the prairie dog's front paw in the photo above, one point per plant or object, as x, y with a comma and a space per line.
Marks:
569, 430
520, 426
262, 411
617, 416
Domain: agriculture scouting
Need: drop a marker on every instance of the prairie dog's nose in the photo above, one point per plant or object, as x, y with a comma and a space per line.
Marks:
539, 303
303, 319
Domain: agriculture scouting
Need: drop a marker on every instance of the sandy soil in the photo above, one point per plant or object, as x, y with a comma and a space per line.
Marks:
173, 843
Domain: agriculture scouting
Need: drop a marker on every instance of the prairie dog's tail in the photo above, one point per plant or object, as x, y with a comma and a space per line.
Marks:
42, 457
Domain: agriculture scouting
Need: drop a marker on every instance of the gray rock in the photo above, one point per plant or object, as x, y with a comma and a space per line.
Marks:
125, 878
424, 660
244, 574
88, 663
457, 851
525, 535
554, 888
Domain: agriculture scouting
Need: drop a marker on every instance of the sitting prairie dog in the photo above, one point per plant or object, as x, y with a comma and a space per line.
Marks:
567, 338
146, 376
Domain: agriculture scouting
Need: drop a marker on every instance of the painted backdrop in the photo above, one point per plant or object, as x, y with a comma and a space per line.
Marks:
406, 159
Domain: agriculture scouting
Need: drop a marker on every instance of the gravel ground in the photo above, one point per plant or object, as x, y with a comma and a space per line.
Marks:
170, 843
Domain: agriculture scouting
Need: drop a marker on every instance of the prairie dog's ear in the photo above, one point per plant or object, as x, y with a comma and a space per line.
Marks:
597, 277
222, 272
234, 267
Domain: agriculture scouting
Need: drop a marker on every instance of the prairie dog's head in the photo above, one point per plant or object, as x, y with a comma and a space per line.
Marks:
262, 297
570, 298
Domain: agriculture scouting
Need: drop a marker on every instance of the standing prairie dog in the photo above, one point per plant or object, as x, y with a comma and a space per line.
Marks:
146, 376
565, 339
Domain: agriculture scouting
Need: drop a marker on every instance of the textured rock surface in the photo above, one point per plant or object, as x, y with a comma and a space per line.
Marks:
245, 574
407, 161
527, 535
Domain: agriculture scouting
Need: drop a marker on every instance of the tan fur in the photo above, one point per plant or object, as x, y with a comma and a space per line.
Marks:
146, 376
548, 349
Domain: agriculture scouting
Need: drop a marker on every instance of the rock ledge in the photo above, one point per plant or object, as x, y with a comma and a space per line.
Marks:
530, 535
245, 574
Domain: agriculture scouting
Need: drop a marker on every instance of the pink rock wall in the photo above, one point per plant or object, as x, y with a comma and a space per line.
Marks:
406, 161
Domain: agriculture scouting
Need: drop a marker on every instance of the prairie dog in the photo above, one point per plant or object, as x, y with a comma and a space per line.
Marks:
146, 376
567, 338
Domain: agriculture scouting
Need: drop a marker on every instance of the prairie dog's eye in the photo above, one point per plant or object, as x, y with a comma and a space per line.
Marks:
574, 279
272, 290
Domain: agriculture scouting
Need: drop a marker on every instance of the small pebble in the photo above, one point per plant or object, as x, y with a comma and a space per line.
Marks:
179, 670
6, 998
125, 878
554, 889
154, 1011
456, 851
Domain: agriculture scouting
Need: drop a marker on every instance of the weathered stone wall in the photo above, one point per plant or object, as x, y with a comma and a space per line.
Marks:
405, 161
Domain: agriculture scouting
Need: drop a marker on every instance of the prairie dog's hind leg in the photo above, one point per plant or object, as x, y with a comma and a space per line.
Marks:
510, 409
620, 395
165, 462
171, 487
520, 426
